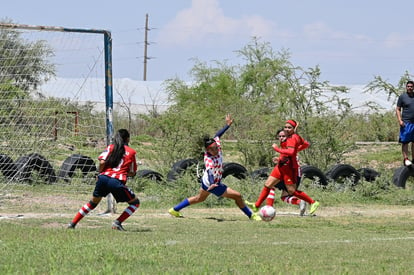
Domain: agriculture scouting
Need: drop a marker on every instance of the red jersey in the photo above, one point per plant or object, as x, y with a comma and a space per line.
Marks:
289, 150
127, 164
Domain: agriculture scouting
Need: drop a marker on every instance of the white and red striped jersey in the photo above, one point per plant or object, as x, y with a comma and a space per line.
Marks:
214, 164
128, 163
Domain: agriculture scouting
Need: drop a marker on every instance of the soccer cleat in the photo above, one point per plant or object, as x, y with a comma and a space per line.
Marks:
314, 207
116, 225
71, 226
255, 217
174, 213
407, 162
252, 206
302, 207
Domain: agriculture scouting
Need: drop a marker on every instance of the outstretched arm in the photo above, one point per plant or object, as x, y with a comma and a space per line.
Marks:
229, 122
303, 146
290, 151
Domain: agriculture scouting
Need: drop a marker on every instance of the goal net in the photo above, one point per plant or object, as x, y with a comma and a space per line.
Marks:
55, 105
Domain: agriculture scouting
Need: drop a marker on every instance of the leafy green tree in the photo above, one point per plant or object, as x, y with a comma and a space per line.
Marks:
24, 64
380, 86
261, 93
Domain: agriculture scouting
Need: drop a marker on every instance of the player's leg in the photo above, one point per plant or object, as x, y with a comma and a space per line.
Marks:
122, 193
271, 181
200, 197
237, 197
101, 190
84, 210
303, 196
270, 200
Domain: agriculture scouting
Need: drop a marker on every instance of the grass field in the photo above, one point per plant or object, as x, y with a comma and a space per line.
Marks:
346, 237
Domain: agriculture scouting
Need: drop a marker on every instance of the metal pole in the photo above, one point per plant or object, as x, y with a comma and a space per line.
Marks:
111, 207
145, 47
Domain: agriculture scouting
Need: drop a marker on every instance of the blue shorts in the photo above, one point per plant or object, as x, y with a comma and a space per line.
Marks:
117, 188
407, 133
218, 191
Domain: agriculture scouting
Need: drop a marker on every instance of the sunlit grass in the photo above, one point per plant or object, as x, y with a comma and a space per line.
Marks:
209, 241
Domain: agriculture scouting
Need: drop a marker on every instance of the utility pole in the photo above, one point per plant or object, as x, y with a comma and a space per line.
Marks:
145, 47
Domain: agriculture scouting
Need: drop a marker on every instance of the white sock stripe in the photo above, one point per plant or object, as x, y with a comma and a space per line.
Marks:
131, 209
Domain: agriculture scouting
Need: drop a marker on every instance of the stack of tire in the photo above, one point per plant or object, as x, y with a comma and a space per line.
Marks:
22, 169
337, 173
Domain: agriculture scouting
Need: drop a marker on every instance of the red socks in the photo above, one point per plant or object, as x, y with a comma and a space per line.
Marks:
290, 200
271, 197
302, 195
263, 195
83, 212
128, 212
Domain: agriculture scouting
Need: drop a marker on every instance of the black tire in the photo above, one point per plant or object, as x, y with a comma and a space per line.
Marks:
26, 164
313, 173
180, 167
234, 169
340, 172
261, 173
149, 174
7, 166
401, 175
369, 174
84, 163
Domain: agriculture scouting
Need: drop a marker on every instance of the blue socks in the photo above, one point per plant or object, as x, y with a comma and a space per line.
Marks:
181, 205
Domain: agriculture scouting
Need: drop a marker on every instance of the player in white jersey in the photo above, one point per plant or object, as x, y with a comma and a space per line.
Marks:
211, 181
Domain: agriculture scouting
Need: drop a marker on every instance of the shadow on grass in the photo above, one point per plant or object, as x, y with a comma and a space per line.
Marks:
220, 219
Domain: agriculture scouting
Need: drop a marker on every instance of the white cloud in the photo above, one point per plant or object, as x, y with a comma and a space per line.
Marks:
320, 31
393, 41
205, 21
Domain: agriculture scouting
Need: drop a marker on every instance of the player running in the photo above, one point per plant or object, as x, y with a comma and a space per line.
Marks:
116, 164
286, 169
211, 181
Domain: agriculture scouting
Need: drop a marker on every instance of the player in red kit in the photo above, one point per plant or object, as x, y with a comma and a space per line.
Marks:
286, 169
116, 164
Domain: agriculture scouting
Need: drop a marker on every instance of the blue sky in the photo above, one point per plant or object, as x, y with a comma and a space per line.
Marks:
350, 40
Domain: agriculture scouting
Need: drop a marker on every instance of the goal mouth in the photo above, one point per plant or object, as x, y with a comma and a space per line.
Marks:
48, 76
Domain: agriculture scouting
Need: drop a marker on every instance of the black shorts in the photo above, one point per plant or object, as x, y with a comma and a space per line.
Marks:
282, 187
117, 188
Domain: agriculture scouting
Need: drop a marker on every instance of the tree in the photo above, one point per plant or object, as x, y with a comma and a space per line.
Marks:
24, 64
380, 86
261, 93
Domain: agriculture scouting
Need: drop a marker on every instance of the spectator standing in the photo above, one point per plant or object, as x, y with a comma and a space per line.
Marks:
405, 116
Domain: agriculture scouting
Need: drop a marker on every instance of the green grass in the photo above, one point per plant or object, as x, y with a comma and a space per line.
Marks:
355, 232
213, 241
363, 229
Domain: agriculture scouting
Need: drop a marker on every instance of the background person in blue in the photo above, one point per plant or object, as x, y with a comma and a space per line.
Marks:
211, 180
405, 116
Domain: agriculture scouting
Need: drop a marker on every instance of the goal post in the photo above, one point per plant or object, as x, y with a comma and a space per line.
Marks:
52, 81
107, 58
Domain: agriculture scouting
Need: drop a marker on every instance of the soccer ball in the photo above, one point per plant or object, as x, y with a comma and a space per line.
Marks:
267, 213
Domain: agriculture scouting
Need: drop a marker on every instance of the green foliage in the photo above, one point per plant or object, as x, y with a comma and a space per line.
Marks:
13, 65
380, 85
261, 94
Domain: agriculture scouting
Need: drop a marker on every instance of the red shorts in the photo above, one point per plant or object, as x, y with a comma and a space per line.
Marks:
284, 173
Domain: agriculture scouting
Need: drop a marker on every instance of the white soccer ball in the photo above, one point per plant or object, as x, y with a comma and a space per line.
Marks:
267, 213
